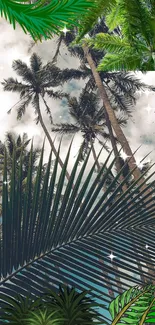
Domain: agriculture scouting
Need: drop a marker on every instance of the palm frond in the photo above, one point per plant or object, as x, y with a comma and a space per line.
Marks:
135, 20
66, 240
12, 84
65, 128
35, 63
23, 71
111, 43
128, 62
95, 13
22, 107
40, 20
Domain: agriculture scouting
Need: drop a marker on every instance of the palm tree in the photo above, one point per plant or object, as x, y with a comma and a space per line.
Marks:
98, 79
125, 83
12, 141
134, 48
73, 238
117, 129
90, 120
38, 80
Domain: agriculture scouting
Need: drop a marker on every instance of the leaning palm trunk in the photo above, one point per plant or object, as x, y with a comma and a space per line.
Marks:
118, 131
114, 146
111, 294
50, 141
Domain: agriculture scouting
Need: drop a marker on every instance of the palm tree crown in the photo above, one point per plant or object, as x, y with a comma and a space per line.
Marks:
134, 48
38, 80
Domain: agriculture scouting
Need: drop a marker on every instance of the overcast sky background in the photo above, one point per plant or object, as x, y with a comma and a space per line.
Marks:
14, 44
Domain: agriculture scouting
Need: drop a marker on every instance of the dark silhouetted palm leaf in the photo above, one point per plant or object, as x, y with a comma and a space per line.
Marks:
65, 241
38, 80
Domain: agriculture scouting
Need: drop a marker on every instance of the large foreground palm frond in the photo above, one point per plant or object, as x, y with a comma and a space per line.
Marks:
40, 20
51, 242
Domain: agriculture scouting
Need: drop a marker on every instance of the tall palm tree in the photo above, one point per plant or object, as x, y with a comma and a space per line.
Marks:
117, 129
14, 142
125, 83
98, 79
134, 48
38, 80
73, 238
90, 120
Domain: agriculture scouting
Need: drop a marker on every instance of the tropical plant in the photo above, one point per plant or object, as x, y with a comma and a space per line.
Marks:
44, 20
89, 119
110, 114
37, 79
17, 310
20, 143
135, 306
74, 308
112, 117
134, 49
120, 86
36, 240
67, 306
44, 318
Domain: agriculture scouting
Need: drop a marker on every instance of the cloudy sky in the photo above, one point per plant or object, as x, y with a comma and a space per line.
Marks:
15, 45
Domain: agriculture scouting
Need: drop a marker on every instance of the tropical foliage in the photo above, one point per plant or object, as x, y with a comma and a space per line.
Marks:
66, 307
44, 20
20, 143
53, 242
134, 306
38, 80
134, 48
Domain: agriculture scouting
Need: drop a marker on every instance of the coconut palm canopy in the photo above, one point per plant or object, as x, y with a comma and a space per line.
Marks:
53, 242
134, 48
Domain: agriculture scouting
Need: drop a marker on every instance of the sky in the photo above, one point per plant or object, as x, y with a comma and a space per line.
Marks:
14, 44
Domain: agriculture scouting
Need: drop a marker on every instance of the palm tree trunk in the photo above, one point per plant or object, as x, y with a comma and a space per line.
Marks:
117, 129
50, 141
111, 293
114, 146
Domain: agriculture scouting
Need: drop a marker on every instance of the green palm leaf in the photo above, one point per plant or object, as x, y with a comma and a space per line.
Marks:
134, 306
40, 20
115, 62
91, 19
63, 240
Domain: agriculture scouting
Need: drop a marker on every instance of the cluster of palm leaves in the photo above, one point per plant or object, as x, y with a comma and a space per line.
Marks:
44, 19
133, 48
67, 306
66, 245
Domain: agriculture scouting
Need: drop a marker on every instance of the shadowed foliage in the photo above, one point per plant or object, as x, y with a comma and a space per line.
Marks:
53, 242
